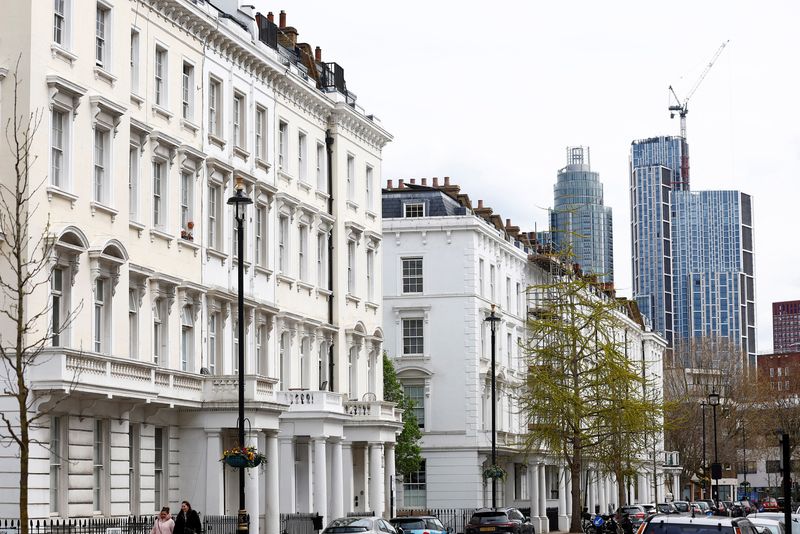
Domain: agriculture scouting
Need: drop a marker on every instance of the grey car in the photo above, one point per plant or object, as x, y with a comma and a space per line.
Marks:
359, 525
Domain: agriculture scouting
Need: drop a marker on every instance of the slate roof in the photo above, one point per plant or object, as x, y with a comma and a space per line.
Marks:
437, 203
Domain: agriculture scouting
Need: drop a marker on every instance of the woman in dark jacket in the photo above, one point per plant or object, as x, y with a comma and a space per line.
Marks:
187, 521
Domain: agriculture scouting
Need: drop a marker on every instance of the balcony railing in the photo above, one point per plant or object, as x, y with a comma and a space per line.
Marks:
373, 410
311, 401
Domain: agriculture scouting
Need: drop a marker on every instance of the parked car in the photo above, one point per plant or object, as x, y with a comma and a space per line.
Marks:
682, 524
695, 509
704, 507
636, 513
769, 504
747, 506
499, 520
359, 525
681, 506
666, 508
767, 526
649, 509
420, 524
778, 516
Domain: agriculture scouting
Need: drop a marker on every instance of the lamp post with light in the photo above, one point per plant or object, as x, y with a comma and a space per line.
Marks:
240, 201
492, 319
716, 468
703, 405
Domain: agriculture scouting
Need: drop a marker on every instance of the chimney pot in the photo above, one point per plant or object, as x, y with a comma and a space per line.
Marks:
508, 222
424, 181
318, 54
270, 17
446, 180
435, 182
282, 19
413, 180
400, 184
480, 201
388, 184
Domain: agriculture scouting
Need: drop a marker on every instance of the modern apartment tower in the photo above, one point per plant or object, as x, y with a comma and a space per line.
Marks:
713, 271
693, 267
786, 326
579, 221
655, 167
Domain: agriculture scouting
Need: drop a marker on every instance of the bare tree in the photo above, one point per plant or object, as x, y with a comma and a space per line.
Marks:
25, 270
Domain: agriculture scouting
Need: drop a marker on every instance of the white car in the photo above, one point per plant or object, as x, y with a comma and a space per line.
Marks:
767, 526
778, 516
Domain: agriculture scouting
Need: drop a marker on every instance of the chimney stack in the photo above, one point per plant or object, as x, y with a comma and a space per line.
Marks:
282, 19
318, 54
400, 184
413, 180
388, 184
480, 203
508, 223
435, 182
270, 17
424, 181
446, 181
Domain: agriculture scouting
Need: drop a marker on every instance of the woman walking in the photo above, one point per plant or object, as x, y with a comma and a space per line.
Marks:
188, 521
164, 523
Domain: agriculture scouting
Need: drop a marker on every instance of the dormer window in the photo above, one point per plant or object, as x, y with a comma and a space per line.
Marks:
414, 209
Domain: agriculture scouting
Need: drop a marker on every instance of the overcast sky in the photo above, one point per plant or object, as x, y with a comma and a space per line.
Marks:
491, 94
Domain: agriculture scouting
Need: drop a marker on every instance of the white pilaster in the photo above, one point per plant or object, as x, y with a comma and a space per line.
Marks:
287, 475
563, 519
533, 475
376, 497
542, 500
602, 488
214, 473
251, 487
676, 486
391, 497
347, 478
272, 485
320, 478
337, 489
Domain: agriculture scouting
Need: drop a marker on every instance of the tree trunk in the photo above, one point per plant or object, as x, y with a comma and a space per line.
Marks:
575, 466
24, 456
622, 497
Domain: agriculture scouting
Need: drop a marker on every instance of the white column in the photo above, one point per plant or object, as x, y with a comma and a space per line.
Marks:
602, 488
563, 519
589, 491
286, 475
642, 488
307, 488
568, 485
320, 479
214, 473
272, 488
376, 498
391, 496
337, 494
533, 475
251, 486
347, 478
676, 486
542, 500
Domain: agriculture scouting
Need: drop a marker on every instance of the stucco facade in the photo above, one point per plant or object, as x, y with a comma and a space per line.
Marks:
152, 113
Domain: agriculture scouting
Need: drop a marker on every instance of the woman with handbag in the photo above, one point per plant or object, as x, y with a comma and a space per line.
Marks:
188, 520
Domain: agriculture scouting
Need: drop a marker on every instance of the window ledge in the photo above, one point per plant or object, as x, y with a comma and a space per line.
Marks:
371, 305
263, 270
187, 243
302, 184
240, 152
58, 192
160, 234
324, 292
102, 74
216, 141
189, 125
288, 280
108, 210
414, 357
352, 205
261, 164
139, 227
137, 99
285, 175
60, 52
165, 113
352, 299
322, 195
214, 253
305, 286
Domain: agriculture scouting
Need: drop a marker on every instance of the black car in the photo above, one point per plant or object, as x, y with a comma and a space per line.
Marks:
486, 520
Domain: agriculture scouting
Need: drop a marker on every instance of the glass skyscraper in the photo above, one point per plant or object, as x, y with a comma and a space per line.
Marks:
693, 272
579, 221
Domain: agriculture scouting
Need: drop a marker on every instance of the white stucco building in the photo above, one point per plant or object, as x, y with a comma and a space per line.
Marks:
446, 262
152, 111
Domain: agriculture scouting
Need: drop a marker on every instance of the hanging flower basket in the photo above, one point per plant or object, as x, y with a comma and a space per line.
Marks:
495, 471
243, 457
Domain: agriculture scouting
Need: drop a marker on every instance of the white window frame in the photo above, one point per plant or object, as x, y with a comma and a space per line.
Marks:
370, 275
213, 342
58, 456
134, 468
261, 235
261, 133
239, 120
368, 187
492, 282
159, 194
160, 332
322, 259
261, 336
412, 483
160, 464
214, 216
133, 323
101, 315
481, 279
302, 252
283, 243
416, 281
351, 177
508, 294
187, 200
161, 77
59, 304
322, 161
62, 23
283, 145
60, 121
101, 180
100, 471
302, 156
351, 267
134, 60
187, 91
187, 339
215, 106
134, 180
235, 344
411, 208
403, 336
103, 38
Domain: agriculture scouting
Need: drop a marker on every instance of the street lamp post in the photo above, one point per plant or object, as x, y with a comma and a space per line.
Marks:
492, 319
713, 400
744, 458
240, 201
703, 482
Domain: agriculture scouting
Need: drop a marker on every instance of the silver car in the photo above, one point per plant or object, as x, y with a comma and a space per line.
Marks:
359, 525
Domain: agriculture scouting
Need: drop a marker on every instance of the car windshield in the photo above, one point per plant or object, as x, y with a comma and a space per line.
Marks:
702, 505
489, 517
686, 528
681, 506
434, 524
409, 524
348, 525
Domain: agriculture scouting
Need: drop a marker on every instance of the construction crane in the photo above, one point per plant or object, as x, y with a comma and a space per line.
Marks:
682, 108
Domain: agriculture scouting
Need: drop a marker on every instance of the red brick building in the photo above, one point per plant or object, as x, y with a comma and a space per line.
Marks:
786, 326
781, 370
